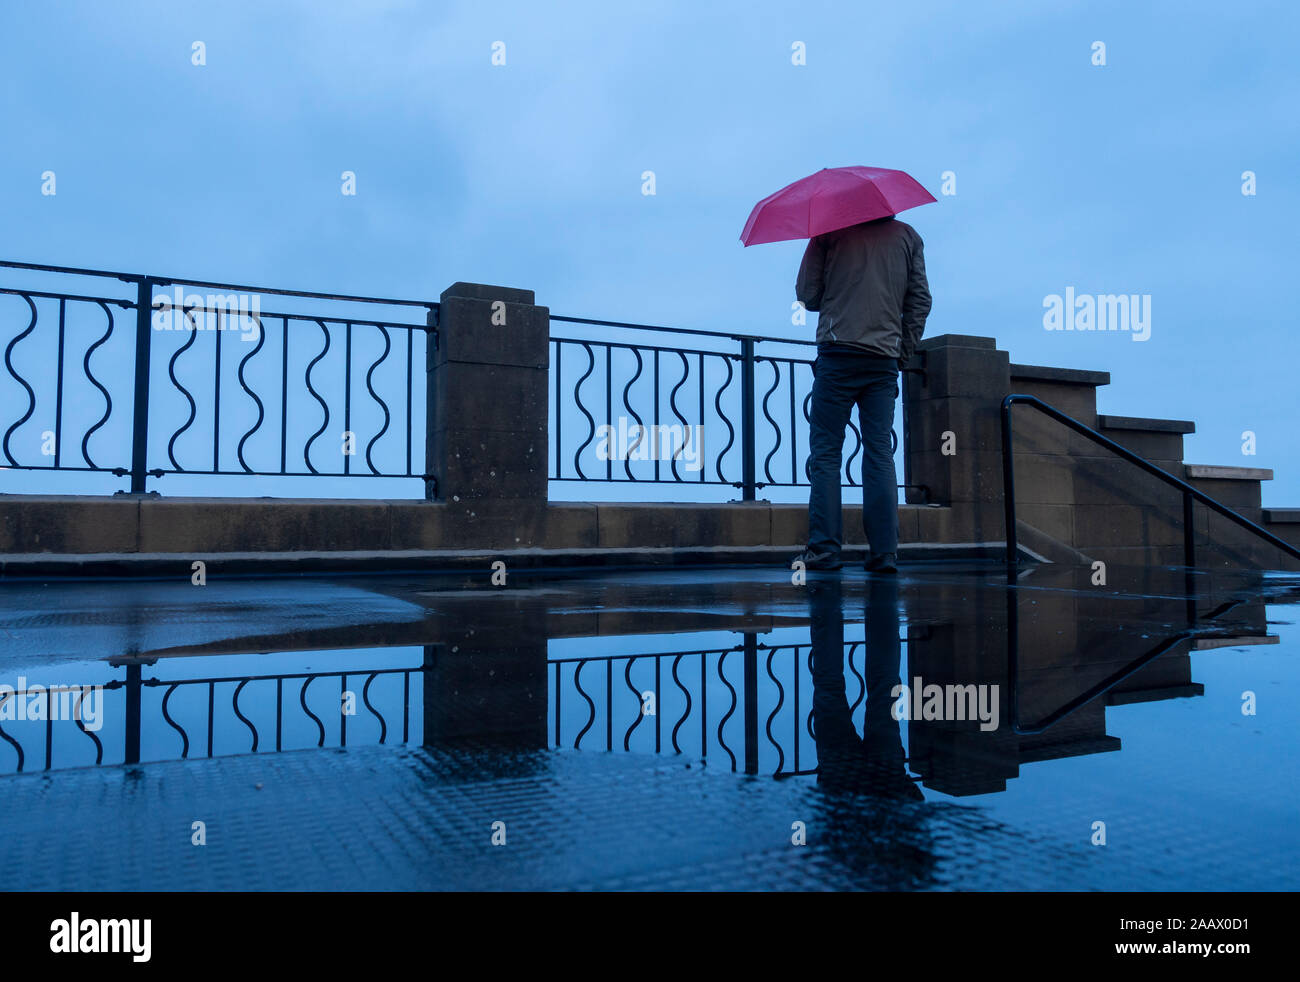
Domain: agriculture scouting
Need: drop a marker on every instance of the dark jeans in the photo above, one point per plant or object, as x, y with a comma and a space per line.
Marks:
839, 382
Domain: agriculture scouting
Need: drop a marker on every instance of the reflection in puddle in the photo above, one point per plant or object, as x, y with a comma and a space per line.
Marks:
873, 686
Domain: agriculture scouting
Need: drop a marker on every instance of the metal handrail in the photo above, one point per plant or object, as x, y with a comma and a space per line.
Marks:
1190, 493
742, 355
180, 280
730, 335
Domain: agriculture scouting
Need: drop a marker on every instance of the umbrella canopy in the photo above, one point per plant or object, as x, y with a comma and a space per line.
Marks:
834, 197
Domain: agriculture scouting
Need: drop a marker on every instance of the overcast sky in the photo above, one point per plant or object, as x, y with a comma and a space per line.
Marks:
1122, 178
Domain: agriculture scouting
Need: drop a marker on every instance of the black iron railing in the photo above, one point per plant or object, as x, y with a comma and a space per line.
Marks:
270, 409
159, 380
237, 684
629, 410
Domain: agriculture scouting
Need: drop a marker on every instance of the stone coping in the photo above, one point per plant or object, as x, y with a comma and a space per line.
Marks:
1217, 473
1067, 376
1144, 425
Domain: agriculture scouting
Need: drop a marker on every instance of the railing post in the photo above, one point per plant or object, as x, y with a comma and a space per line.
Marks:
131, 740
1189, 533
431, 324
748, 480
140, 413
751, 702
1009, 490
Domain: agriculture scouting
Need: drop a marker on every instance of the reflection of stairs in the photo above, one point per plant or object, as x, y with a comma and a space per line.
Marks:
1169, 677
1233, 641
1070, 641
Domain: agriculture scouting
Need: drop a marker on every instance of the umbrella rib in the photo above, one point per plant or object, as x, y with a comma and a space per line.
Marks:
871, 185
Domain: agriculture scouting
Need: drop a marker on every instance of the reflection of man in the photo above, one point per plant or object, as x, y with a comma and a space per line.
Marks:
873, 762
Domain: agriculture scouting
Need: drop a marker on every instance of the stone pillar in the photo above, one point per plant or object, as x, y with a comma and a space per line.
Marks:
485, 678
487, 399
953, 438
486, 694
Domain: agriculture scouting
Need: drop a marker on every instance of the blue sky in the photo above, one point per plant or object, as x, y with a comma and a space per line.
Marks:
1117, 179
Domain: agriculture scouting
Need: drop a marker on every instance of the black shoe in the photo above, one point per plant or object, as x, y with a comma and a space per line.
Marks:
817, 560
885, 563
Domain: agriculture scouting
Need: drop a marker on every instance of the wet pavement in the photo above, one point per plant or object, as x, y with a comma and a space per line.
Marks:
687, 729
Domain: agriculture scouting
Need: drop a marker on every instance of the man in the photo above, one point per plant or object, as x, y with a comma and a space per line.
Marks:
867, 284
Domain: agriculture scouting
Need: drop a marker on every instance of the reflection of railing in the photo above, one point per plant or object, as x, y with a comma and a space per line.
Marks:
650, 390
212, 724
666, 706
1195, 621
748, 704
1162, 647
240, 682
378, 424
53, 696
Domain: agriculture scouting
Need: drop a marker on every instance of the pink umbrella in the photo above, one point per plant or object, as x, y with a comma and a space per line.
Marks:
835, 197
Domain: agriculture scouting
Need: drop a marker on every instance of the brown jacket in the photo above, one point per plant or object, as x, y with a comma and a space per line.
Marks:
867, 284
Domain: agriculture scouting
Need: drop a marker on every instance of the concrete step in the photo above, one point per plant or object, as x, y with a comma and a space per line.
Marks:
1282, 516
1284, 523
1158, 440
1237, 487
